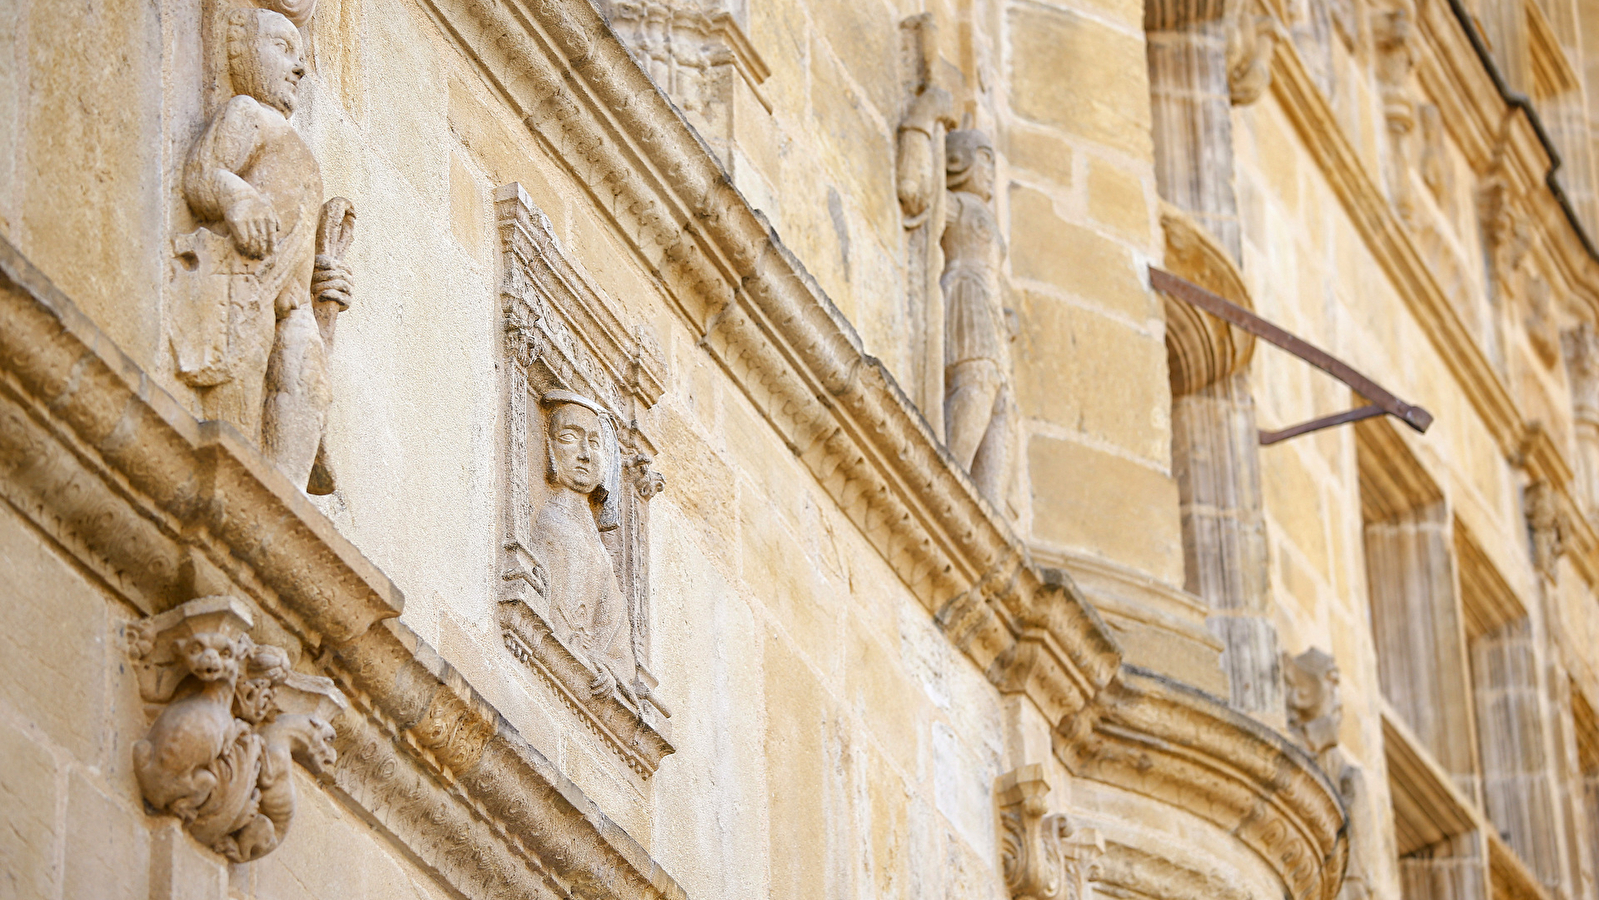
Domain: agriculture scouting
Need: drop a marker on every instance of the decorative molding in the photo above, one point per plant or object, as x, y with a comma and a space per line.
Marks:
1041, 855
156, 506
564, 339
1180, 746
1129, 873
1201, 349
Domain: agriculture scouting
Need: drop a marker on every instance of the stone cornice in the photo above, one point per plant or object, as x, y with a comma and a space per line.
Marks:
160, 507
1179, 745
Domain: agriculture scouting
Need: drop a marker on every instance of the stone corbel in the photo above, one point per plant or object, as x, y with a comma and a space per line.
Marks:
233, 717
1251, 41
1042, 856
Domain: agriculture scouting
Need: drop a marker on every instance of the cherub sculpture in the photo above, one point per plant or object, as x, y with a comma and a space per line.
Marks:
257, 290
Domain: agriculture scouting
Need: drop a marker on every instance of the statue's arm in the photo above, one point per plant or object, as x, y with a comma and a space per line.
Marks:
212, 185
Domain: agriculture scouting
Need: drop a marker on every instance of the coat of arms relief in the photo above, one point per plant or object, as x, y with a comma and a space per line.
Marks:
574, 512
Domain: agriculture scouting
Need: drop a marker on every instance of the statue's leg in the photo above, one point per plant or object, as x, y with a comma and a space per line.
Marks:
297, 395
238, 400
969, 392
992, 464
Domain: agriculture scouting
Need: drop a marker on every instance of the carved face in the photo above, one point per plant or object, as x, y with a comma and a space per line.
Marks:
969, 163
266, 59
577, 447
210, 656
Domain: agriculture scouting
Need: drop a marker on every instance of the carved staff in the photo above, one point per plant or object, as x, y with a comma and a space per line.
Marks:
332, 286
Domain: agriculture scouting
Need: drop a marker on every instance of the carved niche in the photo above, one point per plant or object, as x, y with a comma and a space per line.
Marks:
231, 718
254, 291
574, 518
1041, 855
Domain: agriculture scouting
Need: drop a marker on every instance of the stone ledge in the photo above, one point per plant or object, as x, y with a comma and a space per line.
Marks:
161, 507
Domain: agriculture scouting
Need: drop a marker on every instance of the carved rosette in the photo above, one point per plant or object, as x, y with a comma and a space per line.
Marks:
563, 339
232, 719
1041, 855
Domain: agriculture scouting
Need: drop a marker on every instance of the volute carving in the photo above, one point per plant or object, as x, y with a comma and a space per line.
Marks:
574, 570
1580, 347
233, 718
1393, 31
256, 289
1042, 856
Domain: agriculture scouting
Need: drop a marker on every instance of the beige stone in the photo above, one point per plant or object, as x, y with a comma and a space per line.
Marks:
1071, 258
1106, 103
28, 789
1084, 497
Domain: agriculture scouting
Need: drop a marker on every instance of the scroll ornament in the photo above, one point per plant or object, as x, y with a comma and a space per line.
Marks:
1041, 855
233, 717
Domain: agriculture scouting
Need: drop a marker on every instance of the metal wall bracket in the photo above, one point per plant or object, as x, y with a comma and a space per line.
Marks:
1382, 401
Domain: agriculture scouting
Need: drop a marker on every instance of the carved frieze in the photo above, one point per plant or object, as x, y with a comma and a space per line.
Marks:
255, 290
574, 568
233, 717
1041, 855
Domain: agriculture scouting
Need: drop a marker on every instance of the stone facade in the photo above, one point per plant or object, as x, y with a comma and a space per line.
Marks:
754, 463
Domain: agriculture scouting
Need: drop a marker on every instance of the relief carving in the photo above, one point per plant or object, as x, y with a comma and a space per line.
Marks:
1545, 528
977, 327
256, 289
1251, 41
574, 575
1393, 31
1041, 855
234, 717
1315, 712
1580, 346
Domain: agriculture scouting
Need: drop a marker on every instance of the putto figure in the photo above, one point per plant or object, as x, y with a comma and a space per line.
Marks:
587, 610
256, 291
976, 362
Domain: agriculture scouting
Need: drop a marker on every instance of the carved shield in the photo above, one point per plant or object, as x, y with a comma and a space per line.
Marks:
205, 272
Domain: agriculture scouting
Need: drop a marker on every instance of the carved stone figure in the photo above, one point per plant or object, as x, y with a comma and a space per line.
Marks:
1251, 41
1393, 31
219, 753
256, 290
1041, 855
586, 606
977, 389
1547, 531
1580, 346
1315, 712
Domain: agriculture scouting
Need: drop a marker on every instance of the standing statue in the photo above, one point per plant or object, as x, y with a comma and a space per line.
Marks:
977, 392
587, 610
257, 290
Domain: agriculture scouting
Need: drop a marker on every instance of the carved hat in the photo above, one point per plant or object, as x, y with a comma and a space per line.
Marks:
610, 512
960, 152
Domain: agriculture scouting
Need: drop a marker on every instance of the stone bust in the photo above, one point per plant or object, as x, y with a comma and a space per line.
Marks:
587, 610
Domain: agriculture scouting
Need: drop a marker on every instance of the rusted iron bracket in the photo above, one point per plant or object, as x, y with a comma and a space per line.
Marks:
1382, 402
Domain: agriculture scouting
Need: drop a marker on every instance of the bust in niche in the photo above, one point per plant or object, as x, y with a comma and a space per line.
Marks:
587, 610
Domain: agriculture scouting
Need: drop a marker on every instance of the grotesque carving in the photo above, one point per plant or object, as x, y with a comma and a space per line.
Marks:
977, 390
255, 291
1315, 712
219, 753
